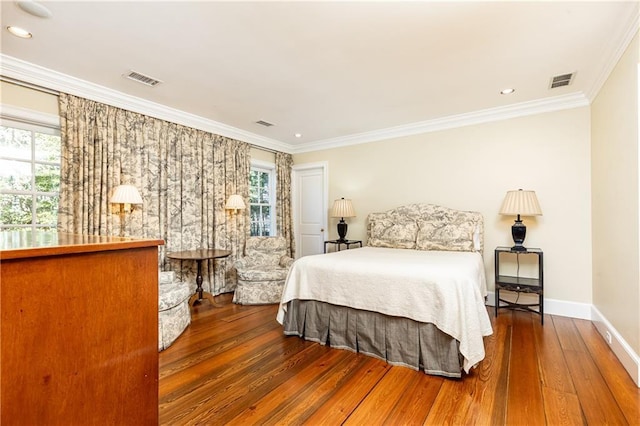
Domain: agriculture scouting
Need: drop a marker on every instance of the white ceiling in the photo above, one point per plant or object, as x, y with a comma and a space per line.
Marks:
336, 72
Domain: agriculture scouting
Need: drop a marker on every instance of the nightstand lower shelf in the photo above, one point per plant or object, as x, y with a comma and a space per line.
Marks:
519, 285
501, 303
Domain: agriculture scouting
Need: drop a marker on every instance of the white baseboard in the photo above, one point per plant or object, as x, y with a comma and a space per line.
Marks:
555, 307
627, 356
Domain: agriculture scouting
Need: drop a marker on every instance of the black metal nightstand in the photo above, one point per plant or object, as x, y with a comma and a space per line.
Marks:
338, 243
520, 284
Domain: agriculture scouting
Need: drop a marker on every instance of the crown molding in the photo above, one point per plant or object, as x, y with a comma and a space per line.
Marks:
621, 44
53, 80
628, 32
477, 117
40, 76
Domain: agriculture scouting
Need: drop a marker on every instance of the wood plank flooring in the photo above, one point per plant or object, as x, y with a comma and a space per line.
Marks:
233, 365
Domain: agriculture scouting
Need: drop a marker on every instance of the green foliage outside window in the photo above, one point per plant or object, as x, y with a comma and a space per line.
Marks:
29, 178
260, 202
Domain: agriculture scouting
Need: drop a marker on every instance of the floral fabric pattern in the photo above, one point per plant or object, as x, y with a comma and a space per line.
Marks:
284, 222
174, 315
436, 235
263, 270
432, 227
385, 233
184, 176
232, 165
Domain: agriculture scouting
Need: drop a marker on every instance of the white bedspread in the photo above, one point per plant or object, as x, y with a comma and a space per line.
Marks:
441, 287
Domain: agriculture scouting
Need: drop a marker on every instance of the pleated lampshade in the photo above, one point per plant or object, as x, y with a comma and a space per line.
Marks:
342, 208
126, 194
523, 203
235, 202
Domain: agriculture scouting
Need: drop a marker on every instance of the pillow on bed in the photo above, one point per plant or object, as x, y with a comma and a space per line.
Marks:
437, 235
385, 233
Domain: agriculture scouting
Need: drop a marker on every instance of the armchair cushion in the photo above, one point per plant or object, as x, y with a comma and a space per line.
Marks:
262, 271
268, 274
171, 294
174, 315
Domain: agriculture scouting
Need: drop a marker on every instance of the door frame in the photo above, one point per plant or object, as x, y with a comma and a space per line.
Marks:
295, 196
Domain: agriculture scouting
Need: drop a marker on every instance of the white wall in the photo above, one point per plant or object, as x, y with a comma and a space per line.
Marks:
615, 171
471, 168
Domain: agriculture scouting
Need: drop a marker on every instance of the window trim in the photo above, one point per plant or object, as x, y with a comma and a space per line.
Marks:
24, 119
270, 168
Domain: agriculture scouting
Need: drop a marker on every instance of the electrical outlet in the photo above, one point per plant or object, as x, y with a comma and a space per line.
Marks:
607, 336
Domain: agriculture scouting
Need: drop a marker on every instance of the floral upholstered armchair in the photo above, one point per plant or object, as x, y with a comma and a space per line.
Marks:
174, 314
262, 271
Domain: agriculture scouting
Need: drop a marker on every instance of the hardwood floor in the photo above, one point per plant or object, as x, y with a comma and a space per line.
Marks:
233, 365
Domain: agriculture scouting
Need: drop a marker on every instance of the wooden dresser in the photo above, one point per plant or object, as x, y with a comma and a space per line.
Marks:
79, 331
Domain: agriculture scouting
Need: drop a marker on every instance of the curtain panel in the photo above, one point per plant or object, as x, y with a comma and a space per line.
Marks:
184, 176
232, 166
284, 222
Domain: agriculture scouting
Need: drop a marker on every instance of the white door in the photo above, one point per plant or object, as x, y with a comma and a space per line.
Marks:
309, 196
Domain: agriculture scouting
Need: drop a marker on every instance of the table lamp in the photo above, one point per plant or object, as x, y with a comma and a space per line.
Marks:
342, 208
520, 203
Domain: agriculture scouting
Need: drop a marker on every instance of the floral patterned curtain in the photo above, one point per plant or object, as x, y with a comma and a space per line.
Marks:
284, 222
232, 165
177, 170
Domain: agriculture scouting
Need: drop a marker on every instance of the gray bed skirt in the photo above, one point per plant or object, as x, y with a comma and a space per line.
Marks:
397, 340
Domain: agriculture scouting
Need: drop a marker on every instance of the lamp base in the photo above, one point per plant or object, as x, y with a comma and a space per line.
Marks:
342, 230
518, 232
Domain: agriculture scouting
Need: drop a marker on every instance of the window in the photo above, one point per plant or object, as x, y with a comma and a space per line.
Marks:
29, 176
262, 191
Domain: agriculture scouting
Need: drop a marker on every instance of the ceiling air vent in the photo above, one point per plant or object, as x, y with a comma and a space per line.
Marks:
264, 123
561, 80
141, 78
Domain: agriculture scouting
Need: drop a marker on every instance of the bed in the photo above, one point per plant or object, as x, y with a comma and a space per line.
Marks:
414, 296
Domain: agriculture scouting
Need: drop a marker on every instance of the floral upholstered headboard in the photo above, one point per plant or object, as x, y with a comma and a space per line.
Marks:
426, 227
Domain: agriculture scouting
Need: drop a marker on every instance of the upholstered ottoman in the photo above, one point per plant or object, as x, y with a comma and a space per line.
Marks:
173, 309
260, 287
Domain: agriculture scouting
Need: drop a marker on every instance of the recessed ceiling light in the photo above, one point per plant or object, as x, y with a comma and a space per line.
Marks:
298, 135
507, 91
19, 32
